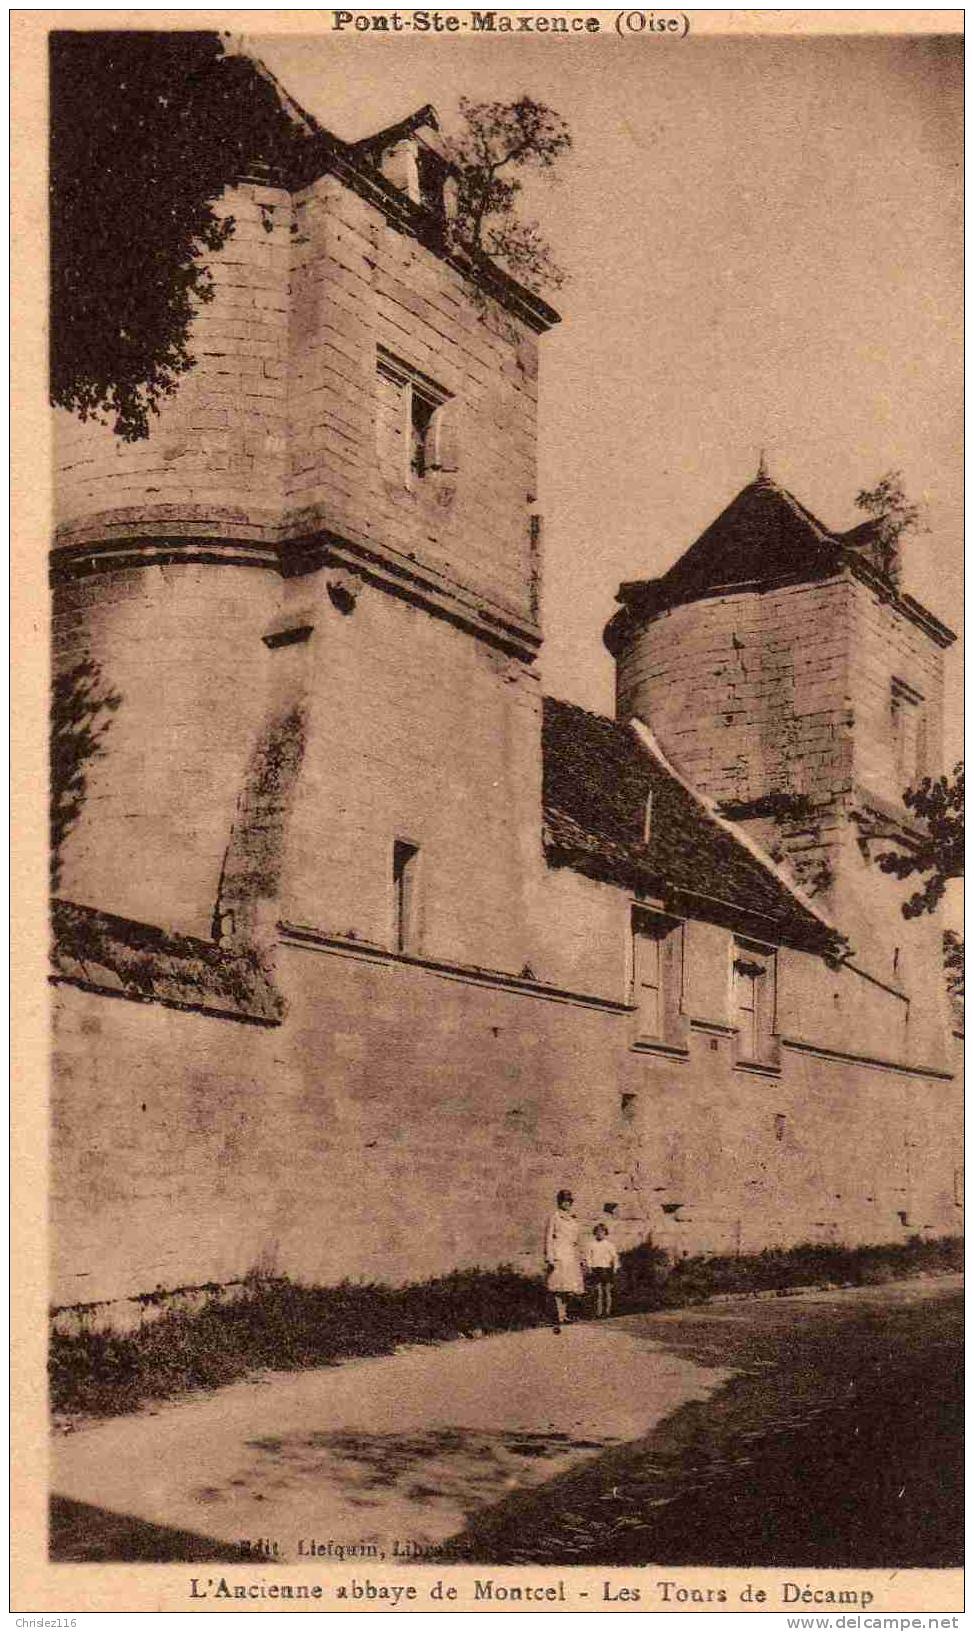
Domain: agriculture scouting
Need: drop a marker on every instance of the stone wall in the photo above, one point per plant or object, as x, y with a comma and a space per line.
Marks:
748, 693
407, 1118
180, 646
415, 732
358, 285
214, 460
885, 647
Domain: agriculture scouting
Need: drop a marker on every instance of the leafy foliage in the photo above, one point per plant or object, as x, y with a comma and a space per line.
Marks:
147, 129
939, 852
954, 961
275, 1323
81, 713
888, 507
500, 140
143, 962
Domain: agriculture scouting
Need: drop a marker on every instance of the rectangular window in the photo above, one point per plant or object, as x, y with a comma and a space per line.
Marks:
908, 732
404, 869
754, 1003
412, 437
657, 976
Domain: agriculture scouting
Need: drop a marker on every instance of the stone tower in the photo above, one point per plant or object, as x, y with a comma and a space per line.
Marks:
792, 680
314, 587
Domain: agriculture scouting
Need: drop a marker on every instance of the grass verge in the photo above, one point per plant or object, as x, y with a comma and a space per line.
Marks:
278, 1325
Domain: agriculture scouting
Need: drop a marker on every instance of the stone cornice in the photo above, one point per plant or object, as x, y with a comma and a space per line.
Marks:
110, 544
344, 946
874, 1061
649, 600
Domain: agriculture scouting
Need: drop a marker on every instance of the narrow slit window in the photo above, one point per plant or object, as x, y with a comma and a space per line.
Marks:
421, 411
648, 993
908, 732
754, 1001
404, 866
746, 988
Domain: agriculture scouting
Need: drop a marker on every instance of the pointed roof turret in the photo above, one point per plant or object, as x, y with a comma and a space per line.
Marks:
764, 537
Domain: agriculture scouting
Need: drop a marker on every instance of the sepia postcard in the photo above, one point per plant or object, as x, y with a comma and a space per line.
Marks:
487, 587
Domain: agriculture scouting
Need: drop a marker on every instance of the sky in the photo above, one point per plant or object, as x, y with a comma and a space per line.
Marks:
763, 241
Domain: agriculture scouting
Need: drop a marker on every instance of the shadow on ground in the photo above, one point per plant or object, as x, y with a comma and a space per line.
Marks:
457, 1468
838, 1444
82, 1534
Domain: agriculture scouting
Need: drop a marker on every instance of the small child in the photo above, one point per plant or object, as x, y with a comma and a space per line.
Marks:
602, 1260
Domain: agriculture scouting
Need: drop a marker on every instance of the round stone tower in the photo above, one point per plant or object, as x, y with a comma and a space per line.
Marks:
788, 677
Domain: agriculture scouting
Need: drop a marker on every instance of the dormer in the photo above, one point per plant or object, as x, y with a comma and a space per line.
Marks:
412, 156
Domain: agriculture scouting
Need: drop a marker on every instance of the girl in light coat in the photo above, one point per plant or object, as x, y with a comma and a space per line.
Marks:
563, 1260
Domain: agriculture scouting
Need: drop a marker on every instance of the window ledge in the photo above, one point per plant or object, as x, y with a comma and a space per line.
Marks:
757, 1068
715, 1028
651, 1045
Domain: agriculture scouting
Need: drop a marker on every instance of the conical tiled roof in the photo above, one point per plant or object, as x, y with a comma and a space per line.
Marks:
763, 538
764, 535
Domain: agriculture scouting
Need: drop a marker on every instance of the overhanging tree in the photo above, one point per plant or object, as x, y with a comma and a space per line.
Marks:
937, 852
147, 129
892, 514
500, 141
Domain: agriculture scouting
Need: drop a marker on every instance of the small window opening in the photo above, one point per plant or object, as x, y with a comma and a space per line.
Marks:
404, 857
779, 1127
412, 437
754, 1003
421, 411
908, 729
657, 974
628, 1108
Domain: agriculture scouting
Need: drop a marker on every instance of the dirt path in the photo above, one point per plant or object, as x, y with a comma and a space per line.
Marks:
388, 1455
837, 1441
802, 1428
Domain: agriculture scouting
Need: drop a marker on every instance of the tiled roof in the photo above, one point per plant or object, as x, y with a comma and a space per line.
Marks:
763, 538
597, 778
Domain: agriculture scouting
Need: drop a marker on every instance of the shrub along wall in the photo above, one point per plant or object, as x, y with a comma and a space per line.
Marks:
278, 1325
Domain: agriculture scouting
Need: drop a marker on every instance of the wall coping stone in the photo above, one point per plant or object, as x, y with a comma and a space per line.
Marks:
342, 946
876, 1063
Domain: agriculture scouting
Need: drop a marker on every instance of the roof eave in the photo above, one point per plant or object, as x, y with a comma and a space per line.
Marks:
820, 926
